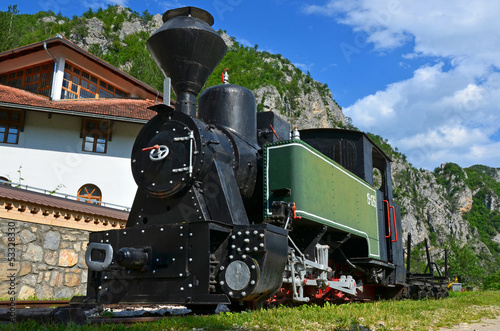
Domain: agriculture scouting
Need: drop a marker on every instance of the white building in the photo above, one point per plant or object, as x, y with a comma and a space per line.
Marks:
68, 121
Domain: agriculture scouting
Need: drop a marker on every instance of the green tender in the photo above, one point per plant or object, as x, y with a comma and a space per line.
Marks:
323, 191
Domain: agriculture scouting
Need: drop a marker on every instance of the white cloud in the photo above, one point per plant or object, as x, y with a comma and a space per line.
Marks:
443, 112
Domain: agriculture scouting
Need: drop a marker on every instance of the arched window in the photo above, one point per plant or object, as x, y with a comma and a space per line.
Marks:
3, 181
90, 192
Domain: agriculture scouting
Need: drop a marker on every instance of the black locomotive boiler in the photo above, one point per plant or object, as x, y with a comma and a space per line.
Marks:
230, 209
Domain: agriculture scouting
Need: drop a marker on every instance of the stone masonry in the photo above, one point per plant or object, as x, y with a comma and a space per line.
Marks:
49, 261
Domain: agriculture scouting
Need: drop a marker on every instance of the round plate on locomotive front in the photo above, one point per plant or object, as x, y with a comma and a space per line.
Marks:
163, 158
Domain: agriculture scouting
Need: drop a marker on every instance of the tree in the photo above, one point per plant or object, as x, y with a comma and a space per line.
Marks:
464, 264
9, 28
492, 282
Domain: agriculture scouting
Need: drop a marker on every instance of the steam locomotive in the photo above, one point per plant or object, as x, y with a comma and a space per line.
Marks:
232, 208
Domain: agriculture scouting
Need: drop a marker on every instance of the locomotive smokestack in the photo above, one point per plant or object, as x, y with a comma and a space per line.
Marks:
187, 50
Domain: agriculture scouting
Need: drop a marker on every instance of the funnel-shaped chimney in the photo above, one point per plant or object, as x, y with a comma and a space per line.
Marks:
187, 50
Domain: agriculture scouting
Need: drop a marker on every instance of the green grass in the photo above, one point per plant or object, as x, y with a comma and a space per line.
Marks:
383, 315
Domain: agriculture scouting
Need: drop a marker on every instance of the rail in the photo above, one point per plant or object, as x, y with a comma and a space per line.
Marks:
64, 195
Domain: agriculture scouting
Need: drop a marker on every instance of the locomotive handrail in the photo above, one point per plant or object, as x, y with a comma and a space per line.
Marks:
389, 207
394, 218
388, 218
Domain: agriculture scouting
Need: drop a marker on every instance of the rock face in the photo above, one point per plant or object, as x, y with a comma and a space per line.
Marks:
433, 205
96, 33
310, 106
49, 261
317, 112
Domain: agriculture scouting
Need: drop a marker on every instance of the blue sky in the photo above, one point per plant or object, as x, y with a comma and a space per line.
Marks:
422, 73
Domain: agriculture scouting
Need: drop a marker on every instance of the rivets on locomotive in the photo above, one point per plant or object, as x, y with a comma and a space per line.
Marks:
221, 268
181, 248
161, 229
182, 288
246, 240
180, 275
173, 259
230, 293
253, 281
142, 231
221, 283
190, 259
231, 257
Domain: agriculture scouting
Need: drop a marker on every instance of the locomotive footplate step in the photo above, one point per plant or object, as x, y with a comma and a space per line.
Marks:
371, 262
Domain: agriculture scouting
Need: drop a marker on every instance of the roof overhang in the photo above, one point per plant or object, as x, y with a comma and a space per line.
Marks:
72, 113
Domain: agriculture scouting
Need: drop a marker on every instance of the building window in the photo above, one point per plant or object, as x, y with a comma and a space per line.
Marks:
79, 84
4, 181
36, 79
95, 135
90, 192
11, 123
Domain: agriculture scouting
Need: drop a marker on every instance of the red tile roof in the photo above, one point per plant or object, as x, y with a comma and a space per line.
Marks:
24, 196
133, 109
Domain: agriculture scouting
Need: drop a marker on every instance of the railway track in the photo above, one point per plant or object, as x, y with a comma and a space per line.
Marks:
34, 304
60, 311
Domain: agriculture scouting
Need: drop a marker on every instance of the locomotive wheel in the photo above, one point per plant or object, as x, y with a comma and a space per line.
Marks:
202, 309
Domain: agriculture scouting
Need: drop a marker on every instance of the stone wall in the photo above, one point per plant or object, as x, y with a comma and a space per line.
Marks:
49, 260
